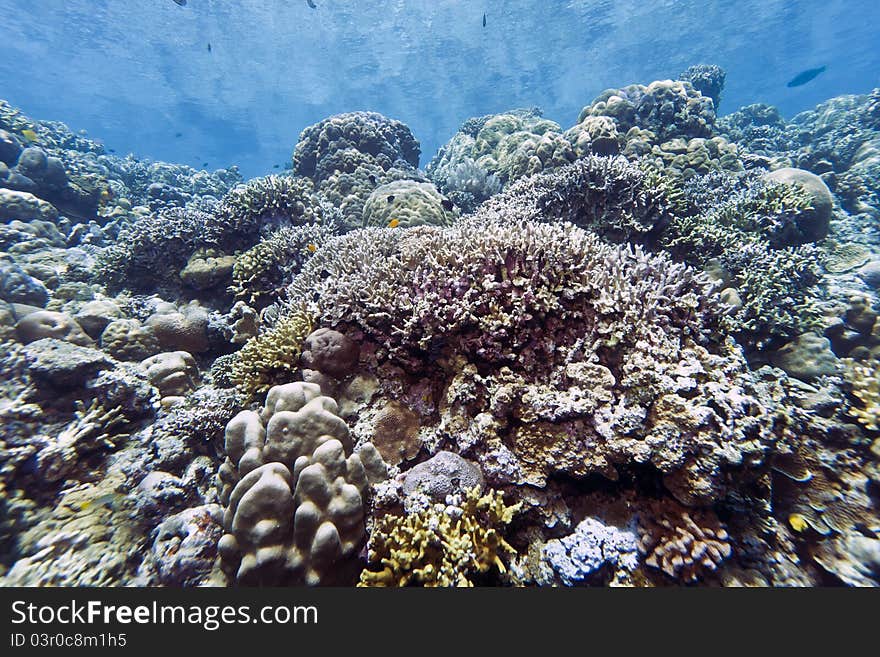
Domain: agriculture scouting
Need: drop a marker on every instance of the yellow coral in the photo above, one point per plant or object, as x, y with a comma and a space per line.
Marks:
864, 377
433, 548
273, 356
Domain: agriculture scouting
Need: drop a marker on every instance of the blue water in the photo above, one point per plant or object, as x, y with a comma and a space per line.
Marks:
134, 74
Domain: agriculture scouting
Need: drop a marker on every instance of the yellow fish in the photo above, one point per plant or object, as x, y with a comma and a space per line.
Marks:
312, 248
29, 134
798, 522
394, 223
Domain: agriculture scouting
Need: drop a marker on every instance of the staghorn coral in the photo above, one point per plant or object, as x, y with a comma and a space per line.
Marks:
683, 543
442, 545
271, 356
567, 356
293, 491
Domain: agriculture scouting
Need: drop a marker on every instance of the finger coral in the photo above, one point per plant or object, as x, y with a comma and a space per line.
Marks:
293, 491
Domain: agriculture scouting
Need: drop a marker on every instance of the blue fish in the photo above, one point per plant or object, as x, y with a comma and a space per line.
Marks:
805, 76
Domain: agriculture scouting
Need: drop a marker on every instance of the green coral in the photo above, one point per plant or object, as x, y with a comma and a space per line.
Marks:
742, 224
410, 202
261, 271
434, 547
272, 356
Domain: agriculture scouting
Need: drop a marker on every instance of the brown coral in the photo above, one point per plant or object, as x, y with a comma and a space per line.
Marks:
683, 543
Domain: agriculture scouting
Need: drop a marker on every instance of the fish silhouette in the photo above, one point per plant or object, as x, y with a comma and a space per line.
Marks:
805, 76
484, 19
311, 4
182, 3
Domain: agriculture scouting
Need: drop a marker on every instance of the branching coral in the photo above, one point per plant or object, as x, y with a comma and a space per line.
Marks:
260, 273
742, 225
608, 195
273, 201
273, 356
683, 543
864, 377
466, 183
95, 427
442, 545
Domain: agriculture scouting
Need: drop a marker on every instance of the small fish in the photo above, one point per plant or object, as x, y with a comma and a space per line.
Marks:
447, 204
311, 4
484, 19
312, 247
798, 522
209, 47
108, 500
394, 223
111, 150
178, 134
805, 76
390, 198
29, 134
276, 166
204, 164
182, 3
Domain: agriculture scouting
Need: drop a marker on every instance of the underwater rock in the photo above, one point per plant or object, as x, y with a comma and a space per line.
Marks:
205, 270
181, 328
158, 493
24, 206
185, 546
94, 316
50, 324
812, 224
10, 148
128, 339
445, 473
173, 373
807, 358
17, 286
60, 364
870, 273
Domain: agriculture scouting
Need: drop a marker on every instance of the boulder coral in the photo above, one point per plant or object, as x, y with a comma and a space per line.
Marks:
294, 493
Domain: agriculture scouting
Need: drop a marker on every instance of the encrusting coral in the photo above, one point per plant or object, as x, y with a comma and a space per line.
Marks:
450, 544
